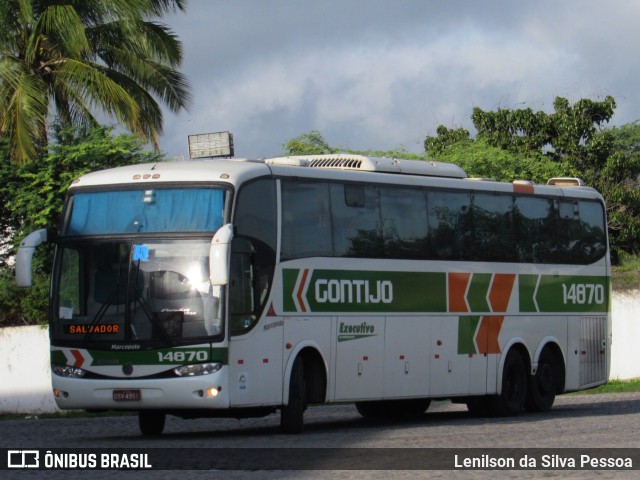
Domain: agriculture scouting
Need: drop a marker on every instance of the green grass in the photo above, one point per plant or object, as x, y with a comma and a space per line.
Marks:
626, 276
614, 386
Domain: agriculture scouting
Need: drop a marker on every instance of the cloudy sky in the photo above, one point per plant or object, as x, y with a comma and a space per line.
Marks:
383, 74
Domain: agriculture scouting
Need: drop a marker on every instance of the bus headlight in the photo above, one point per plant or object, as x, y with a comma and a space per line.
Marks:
197, 369
67, 371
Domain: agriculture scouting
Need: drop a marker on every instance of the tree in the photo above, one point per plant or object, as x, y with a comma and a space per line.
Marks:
312, 143
445, 139
73, 57
479, 159
7, 174
32, 195
619, 180
571, 133
489, 157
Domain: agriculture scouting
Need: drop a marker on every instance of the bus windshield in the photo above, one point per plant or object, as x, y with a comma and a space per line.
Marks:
127, 274
148, 291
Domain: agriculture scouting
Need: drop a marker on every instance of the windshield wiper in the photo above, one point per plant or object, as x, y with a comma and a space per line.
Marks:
147, 311
102, 310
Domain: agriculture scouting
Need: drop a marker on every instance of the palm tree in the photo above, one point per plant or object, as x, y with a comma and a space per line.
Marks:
77, 58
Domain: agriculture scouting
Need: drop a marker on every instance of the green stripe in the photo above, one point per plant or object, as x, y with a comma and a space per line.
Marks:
164, 356
289, 278
477, 295
566, 293
527, 289
57, 357
467, 326
351, 291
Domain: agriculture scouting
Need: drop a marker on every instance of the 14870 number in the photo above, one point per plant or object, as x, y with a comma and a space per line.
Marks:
177, 356
582, 293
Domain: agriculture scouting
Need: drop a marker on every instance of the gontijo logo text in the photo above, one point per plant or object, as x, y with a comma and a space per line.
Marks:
308, 290
350, 291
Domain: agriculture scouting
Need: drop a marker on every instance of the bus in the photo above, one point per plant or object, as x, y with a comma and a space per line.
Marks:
239, 288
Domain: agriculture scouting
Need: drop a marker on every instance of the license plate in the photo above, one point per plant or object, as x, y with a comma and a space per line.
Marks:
126, 395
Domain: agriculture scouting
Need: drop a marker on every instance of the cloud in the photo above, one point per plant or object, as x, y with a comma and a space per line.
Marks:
380, 74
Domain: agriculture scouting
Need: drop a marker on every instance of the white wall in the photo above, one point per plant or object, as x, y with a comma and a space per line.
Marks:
25, 378
625, 351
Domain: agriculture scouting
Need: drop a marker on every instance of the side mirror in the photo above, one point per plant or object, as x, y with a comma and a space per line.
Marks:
219, 255
24, 257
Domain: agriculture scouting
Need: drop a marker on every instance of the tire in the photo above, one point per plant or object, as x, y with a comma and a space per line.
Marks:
512, 398
479, 406
415, 407
151, 422
393, 408
292, 415
371, 409
543, 386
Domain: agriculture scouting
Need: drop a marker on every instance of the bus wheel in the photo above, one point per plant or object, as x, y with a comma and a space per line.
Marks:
393, 408
292, 415
543, 385
375, 409
514, 386
479, 406
151, 422
414, 408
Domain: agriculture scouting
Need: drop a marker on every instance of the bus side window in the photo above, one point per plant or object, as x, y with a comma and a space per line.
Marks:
242, 300
534, 230
450, 233
306, 220
568, 231
357, 230
590, 245
404, 222
492, 225
253, 253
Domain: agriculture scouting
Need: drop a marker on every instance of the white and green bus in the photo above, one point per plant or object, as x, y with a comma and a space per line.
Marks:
239, 288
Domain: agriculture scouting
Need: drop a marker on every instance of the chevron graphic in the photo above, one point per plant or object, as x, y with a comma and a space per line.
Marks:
78, 358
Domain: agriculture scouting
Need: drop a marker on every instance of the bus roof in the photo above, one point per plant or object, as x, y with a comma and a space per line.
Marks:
364, 163
355, 168
234, 171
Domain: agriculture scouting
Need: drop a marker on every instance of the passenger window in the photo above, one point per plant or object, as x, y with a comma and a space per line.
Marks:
450, 235
306, 220
581, 232
568, 231
404, 222
492, 225
534, 227
356, 221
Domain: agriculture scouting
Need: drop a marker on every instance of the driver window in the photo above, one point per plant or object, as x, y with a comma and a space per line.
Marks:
252, 254
242, 282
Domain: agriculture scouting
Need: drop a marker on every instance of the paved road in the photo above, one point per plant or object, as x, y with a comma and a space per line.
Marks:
577, 421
